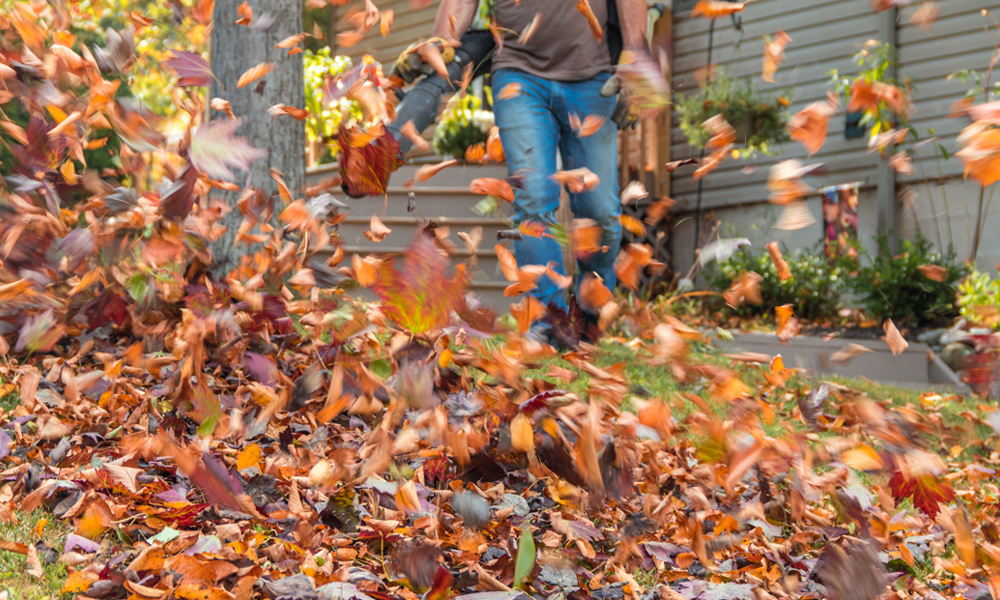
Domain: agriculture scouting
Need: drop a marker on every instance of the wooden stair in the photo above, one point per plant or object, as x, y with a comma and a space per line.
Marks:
446, 200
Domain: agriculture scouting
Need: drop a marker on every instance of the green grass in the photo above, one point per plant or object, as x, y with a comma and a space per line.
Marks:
13, 567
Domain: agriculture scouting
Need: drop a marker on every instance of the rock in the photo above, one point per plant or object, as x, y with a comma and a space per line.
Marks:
341, 591
954, 355
296, 587
615, 591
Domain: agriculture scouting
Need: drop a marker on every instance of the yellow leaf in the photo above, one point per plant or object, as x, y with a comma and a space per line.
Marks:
445, 359
250, 457
862, 458
79, 582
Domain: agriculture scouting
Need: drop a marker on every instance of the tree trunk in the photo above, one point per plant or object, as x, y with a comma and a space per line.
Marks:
235, 49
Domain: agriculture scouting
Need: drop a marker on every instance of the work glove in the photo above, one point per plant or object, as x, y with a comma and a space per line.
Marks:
412, 64
623, 116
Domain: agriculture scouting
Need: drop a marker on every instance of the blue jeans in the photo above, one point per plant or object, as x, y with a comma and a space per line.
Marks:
535, 124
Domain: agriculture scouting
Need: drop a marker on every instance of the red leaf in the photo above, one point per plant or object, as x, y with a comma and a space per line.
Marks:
927, 491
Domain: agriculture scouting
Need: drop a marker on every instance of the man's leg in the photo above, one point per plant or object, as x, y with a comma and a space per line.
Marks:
599, 153
529, 132
421, 103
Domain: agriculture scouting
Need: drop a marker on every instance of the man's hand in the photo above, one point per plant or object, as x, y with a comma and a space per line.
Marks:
420, 58
623, 116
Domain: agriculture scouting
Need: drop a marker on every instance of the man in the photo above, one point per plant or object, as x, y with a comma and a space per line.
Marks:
539, 81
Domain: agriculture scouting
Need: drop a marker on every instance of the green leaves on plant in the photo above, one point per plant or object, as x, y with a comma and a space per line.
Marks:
525, 556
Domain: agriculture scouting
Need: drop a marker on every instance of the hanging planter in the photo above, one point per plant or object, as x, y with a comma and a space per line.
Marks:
759, 119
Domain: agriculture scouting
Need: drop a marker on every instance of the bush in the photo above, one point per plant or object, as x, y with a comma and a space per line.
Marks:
463, 123
895, 287
979, 299
813, 288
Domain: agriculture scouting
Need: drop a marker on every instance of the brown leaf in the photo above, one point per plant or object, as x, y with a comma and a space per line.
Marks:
934, 272
809, 125
630, 264
586, 128
254, 73
299, 114
577, 180
34, 563
527, 312
892, 337
593, 293
925, 16
377, 231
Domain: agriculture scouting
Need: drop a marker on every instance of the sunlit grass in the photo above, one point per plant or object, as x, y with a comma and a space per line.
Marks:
14, 577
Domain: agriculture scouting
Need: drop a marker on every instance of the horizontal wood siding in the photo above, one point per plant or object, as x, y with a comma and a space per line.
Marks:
408, 26
825, 35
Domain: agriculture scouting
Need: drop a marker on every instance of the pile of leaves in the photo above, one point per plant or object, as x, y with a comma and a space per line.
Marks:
262, 434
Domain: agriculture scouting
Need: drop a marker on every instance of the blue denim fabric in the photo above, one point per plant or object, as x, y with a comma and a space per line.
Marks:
534, 125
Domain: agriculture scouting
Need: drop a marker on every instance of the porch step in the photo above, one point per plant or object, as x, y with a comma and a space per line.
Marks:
446, 201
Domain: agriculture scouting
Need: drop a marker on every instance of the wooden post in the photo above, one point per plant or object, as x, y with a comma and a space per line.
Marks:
886, 177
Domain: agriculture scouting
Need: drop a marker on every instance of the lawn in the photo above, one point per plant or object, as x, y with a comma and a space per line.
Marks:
38, 527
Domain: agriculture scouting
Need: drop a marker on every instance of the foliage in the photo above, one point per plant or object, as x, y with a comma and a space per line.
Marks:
463, 123
894, 286
877, 61
759, 119
814, 288
979, 298
324, 119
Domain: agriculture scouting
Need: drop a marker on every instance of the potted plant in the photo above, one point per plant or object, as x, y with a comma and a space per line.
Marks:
759, 119
463, 123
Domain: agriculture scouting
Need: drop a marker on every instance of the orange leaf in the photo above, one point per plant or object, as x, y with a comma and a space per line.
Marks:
494, 148
595, 26
784, 273
527, 312
492, 187
633, 225
980, 152
522, 434
249, 457
631, 261
892, 337
588, 127
593, 293
427, 171
809, 125
862, 458
511, 90
964, 543
774, 50
713, 9
254, 73
278, 110
385, 22
245, 12
533, 229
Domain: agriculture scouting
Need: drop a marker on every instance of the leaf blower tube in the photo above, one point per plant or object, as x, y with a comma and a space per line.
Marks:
420, 104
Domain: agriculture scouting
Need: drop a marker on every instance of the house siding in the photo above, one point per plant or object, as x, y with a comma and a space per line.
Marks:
826, 35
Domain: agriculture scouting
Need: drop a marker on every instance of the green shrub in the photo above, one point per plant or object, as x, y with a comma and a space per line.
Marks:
813, 288
979, 299
893, 286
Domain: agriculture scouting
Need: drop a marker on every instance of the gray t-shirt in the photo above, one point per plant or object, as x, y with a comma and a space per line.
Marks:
563, 48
